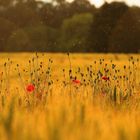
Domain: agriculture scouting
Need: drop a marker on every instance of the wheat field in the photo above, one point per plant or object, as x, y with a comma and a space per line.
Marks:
46, 96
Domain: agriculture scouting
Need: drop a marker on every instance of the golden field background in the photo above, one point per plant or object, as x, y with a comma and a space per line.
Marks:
68, 112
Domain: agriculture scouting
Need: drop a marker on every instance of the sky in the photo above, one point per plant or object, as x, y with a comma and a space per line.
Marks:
98, 3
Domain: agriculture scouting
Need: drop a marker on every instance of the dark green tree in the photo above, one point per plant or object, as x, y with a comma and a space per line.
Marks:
22, 15
6, 29
125, 36
104, 22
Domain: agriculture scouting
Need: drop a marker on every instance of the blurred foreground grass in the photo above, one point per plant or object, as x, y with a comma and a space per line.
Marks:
94, 109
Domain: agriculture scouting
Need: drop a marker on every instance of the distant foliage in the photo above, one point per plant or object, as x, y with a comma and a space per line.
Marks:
75, 31
61, 26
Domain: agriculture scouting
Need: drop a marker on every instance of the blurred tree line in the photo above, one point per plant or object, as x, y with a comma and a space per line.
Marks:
60, 26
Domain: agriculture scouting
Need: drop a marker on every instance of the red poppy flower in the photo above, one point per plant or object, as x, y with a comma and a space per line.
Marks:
105, 78
76, 81
30, 88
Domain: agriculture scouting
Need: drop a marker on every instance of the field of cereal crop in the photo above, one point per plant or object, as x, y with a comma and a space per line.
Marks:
69, 96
